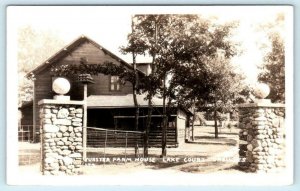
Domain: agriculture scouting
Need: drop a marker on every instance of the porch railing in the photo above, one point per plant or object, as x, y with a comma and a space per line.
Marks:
27, 133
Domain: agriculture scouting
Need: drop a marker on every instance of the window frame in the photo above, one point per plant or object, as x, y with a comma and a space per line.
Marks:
116, 83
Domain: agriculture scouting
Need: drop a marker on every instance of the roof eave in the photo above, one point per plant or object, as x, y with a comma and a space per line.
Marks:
58, 55
61, 53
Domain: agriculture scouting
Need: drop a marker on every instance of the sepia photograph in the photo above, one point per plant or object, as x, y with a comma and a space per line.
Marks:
150, 95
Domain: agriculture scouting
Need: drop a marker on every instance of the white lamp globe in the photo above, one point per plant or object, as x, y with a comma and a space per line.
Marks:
261, 90
61, 86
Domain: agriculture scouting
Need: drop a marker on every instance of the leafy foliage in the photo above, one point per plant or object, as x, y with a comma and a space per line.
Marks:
106, 68
274, 70
184, 45
188, 48
34, 47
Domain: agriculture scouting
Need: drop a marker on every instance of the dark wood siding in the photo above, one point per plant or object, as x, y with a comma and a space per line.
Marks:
43, 90
155, 137
94, 55
102, 86
89, 51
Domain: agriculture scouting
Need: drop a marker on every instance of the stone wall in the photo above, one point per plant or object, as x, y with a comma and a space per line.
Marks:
262, 137
61, 137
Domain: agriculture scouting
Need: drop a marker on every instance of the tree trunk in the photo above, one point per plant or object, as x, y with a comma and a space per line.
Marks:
193, 120
135, 87
150, 107
193, 123
216, 124
137, 111
148, 125
84, 130
164, 128
136, 125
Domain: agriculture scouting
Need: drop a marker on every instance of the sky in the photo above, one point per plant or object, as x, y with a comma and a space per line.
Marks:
109, 26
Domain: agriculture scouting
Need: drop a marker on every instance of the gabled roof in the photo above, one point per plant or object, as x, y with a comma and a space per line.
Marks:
67, 49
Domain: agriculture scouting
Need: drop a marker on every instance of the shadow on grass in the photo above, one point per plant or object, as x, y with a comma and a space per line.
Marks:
162, 165
204, 167
205, 140
213, 166
224, 133
210, 137
234, 167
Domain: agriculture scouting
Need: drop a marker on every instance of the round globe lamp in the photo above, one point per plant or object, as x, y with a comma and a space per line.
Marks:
261, 91
61, 86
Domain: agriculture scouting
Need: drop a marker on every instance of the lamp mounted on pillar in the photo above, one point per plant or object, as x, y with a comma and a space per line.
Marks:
261, 91
61, 86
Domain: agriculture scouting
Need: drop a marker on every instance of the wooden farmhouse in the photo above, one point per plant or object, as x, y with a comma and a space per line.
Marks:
109, 103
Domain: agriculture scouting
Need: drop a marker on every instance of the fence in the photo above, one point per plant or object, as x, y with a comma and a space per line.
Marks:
25, 133
29, 152
118, 143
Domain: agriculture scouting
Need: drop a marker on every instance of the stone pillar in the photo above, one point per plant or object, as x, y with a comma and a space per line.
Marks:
261, 137
61, 136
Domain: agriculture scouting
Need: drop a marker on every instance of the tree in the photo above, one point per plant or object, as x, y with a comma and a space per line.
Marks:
181, 46
144, 39
156, 35
34, 47
226, 88
205, 76
135, 50
216, 86
273, 71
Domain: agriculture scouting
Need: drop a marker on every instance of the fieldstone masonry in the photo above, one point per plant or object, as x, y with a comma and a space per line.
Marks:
61, 137
262, 137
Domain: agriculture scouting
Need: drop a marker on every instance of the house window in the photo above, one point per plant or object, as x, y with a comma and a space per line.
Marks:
114, 83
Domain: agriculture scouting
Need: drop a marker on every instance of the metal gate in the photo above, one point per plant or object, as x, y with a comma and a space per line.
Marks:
105, 143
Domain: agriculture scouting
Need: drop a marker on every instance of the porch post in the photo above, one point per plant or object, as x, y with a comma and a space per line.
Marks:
34, 116
85, 79
84, 132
